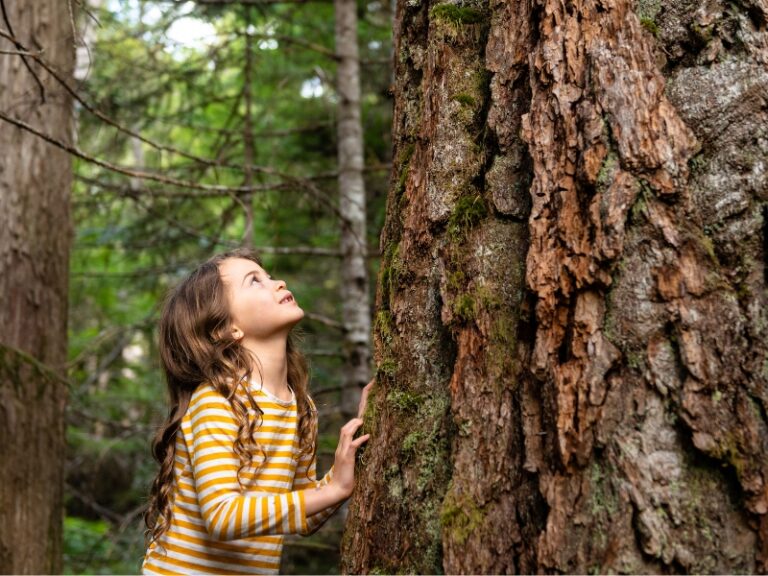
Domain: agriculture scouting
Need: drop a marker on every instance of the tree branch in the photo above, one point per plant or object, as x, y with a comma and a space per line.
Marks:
12, 37
210, 189
325, 319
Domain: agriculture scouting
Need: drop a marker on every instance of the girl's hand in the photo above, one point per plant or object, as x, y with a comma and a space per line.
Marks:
364, 398
344, 463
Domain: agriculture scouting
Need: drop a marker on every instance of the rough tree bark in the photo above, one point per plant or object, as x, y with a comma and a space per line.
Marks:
35, 233
356, 307
571, 327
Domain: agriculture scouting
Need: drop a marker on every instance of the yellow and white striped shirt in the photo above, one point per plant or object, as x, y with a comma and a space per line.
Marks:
217, 527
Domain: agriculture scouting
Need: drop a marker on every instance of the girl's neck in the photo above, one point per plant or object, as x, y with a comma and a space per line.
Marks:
271, 369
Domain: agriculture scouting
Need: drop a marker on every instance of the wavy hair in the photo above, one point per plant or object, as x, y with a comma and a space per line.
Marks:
196, 345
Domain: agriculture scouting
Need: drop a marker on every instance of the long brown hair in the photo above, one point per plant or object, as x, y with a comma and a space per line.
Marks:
196, 345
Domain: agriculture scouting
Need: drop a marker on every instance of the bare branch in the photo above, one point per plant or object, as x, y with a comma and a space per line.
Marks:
325, 319
104, 118
154, 177
10, 35
19, 53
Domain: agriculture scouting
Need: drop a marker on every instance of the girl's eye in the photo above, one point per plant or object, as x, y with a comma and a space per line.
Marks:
254, 279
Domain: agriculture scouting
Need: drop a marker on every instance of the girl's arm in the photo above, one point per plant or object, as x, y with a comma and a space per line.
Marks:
229, 514
305, 479
306, 474
341, 482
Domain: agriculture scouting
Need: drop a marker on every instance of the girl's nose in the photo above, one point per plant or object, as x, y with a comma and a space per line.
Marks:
279, 284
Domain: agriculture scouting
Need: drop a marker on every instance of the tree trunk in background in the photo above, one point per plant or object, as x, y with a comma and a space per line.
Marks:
35, 181
571, 326
356, 308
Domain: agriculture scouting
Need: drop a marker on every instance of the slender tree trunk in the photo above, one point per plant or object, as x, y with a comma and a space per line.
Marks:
356, 308
248, 142
35, 182
571, 326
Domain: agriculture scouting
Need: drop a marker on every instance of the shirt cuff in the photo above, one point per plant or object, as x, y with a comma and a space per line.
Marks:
302, 512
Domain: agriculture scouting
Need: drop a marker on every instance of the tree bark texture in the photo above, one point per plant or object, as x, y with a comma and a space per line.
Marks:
356, 306
571, 327
35, 234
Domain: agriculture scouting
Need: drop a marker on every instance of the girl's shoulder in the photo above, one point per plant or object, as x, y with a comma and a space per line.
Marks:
205, 393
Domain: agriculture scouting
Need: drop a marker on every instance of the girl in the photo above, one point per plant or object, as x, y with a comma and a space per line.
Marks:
237, 453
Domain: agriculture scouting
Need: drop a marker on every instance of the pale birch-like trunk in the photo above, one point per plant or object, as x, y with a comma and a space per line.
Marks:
35, 235
249, 146
356, 308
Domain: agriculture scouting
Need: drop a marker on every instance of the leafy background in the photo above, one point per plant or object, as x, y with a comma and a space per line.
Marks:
176, 74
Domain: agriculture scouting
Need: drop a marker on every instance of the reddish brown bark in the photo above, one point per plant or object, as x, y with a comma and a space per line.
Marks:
604, 365
35, 181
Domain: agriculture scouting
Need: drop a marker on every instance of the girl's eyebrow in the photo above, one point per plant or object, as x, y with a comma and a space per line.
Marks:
251, 273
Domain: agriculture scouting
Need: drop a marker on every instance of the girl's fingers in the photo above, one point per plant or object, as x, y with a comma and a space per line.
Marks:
359, 441
364, 398
348, 432
351, 427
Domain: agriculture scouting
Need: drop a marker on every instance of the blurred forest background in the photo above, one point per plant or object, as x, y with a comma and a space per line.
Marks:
213, 97
571, 327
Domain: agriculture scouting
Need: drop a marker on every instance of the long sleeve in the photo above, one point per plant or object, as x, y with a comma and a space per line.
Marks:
228, 511
306, 479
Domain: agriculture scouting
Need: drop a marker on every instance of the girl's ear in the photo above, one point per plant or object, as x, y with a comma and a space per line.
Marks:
236, 333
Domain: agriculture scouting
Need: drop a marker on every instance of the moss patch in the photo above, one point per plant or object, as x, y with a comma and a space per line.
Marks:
370, 417
650, 25
391, 270
404, 161
410, 444
603, 501
405, 401
457, 15
465, 307
387, 366
460, 517
469, 211
465, 100
384, 323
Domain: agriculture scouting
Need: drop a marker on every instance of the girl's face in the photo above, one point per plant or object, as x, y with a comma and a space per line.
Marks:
260, 307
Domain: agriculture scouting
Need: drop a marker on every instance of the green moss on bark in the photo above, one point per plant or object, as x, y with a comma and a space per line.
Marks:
457, 15
469, 211
460, 517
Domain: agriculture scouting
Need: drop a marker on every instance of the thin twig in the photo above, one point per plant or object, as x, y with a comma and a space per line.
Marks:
18, 53
12, 37
325, 320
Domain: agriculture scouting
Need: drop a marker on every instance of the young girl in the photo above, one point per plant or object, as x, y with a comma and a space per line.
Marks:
237, 453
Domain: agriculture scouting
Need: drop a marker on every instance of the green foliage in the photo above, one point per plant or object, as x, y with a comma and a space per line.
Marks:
94, 547
135, 239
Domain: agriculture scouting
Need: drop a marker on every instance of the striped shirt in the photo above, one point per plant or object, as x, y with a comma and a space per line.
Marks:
217, 527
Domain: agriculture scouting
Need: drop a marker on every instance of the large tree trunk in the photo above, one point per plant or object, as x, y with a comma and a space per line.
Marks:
356, 307
571, 326
35, 181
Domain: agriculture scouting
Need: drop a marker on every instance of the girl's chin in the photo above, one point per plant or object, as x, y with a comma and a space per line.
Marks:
299, 314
